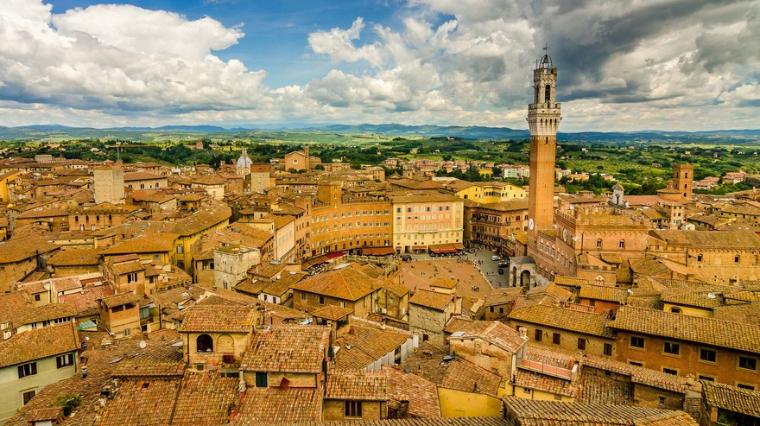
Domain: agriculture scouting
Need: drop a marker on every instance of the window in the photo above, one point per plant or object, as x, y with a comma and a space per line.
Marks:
37, 297
707, 378
636, 363
747, 363
180, 249
608, 349
539, 334
28, 395
675, 310
637, 342
707, 355
743, 386
556, 338
353, 409
64, 360
699, 257
261, 379
621, 244
599, 243
672, 348
737, 258
670, 371
661, 401
27, 370
547, 93
132, 277
303, 296
204, 343
321, 300
581, 343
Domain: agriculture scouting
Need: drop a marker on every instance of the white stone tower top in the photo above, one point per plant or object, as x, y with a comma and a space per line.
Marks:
544, 113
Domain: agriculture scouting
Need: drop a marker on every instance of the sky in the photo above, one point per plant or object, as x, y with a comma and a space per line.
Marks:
624, 65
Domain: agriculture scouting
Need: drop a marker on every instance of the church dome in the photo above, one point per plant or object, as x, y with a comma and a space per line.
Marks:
244, 162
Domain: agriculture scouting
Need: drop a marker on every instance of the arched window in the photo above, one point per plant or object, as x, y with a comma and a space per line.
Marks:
204, 343
547, 93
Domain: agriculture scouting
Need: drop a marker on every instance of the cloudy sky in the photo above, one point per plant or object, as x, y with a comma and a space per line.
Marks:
623, 64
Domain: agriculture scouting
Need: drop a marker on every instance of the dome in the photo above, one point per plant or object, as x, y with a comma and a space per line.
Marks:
244, 162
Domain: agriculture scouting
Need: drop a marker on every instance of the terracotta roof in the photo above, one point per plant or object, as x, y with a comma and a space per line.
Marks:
545, 383
362, 343
493, 332
603, 292
148, 243
120, 299
75, 257
420, 393
143, 402
218, 318
136, 176
563, 318
163, 360
709, 331
38, 343
123, 268
11, 304
348, 283
731, 398
357, 385
710, 239
47, 312
18, 249
332, 312
462, 421
640, 375
260, 406
468, 377
288, 348
555, 413
204, 399
431, 299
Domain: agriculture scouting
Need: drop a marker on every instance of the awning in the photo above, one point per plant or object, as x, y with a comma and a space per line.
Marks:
446, 248
334, 254
418, 248
88, 325
378, 251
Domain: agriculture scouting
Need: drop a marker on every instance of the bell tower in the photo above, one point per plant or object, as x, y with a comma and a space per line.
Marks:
543, 120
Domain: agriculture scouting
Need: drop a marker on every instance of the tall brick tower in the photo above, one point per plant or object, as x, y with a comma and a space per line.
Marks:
543, 119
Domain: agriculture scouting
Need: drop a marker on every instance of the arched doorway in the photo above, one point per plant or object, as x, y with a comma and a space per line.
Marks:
525, 279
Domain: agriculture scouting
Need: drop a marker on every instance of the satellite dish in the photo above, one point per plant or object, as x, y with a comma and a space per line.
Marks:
143, 344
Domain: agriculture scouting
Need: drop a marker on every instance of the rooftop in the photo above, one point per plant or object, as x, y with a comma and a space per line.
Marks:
38, 343
709, 331
732, 398
555, 413
563, 318
288, 348
230, 318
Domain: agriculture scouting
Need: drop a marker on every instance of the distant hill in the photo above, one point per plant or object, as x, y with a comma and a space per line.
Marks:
741, 136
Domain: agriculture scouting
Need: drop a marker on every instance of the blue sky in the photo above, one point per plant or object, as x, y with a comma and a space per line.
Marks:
276, 32
671, 65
